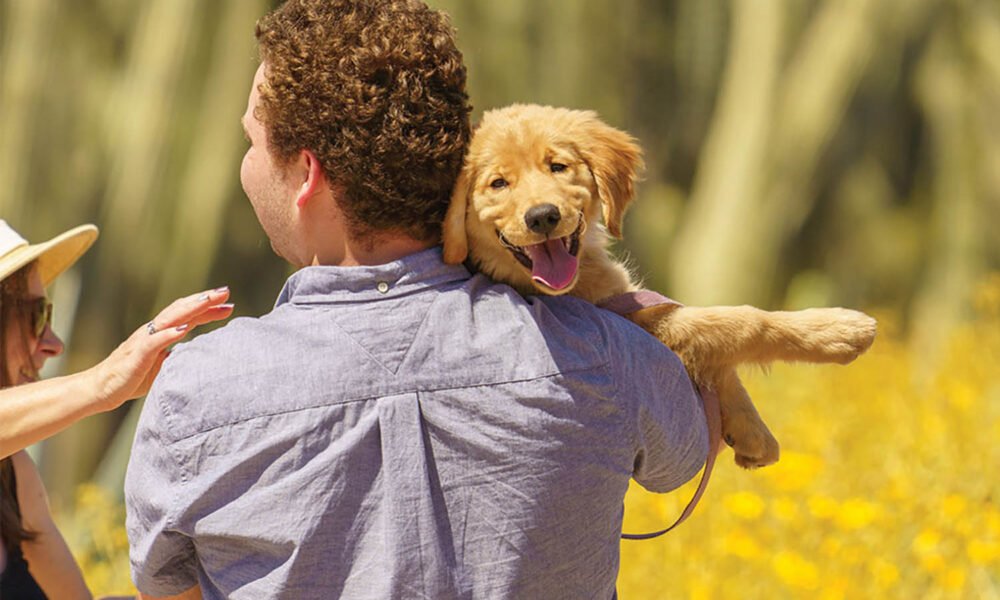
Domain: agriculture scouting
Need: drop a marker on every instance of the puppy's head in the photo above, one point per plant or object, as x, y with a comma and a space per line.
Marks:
525, 207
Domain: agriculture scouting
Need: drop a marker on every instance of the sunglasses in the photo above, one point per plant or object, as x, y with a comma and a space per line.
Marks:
40, 310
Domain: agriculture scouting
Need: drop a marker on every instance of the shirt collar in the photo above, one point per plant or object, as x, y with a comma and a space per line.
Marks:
329, 284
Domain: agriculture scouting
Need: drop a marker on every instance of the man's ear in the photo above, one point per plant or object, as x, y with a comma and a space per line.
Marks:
615, 159
314, 178
453, 234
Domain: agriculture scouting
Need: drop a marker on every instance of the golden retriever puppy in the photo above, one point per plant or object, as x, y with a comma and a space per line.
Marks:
526, 211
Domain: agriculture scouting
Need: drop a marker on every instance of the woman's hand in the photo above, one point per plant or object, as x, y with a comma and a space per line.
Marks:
129, 371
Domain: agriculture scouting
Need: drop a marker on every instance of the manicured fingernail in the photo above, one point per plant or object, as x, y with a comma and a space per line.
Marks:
219, 290
226, 305
183, 327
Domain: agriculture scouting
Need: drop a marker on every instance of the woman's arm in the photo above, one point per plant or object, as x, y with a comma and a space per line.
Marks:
33, 412
49, 559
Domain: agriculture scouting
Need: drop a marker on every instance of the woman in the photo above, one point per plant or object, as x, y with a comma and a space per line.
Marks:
35, 561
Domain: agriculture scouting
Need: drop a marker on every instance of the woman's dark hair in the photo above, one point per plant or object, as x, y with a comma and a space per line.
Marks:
13, 289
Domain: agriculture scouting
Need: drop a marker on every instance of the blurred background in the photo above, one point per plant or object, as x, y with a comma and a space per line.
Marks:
799, 153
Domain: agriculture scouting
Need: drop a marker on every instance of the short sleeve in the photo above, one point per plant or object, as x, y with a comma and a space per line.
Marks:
671, 432
162, 558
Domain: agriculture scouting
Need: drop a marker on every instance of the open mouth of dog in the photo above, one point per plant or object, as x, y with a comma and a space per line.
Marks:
553, 263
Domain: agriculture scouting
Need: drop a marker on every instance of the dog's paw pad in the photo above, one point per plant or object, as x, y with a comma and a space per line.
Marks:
756, 451
854, 333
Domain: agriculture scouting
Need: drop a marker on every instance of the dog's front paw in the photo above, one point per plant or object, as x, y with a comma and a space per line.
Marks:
852, 333
752, 442
838, 335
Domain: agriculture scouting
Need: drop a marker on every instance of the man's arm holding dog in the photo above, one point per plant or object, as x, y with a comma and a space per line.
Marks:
672, 431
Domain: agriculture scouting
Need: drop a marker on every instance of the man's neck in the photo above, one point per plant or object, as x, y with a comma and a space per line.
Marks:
326, 239
387, 249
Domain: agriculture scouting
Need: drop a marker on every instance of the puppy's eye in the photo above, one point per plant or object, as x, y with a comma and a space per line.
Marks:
557, 167
499, 183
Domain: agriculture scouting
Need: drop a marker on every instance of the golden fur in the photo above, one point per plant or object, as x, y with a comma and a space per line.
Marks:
524, 156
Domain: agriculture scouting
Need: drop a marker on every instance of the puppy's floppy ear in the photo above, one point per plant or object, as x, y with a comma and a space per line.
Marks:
615, 160
453, 235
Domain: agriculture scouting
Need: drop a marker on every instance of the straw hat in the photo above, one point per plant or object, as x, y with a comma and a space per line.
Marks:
53, 256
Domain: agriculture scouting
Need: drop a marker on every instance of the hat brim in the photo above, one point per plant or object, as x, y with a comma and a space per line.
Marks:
53, 256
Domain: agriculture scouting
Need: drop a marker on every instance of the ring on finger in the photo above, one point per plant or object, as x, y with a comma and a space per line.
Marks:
150, 328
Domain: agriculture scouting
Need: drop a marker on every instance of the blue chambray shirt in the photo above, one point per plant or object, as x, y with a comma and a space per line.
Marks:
404, 431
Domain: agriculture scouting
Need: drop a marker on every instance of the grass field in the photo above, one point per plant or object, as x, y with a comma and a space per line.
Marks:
887, 487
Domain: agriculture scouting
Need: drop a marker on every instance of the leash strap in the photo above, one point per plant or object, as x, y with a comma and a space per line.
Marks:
630, 302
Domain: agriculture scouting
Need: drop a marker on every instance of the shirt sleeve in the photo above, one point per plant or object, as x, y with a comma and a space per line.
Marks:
671, 432
163, 559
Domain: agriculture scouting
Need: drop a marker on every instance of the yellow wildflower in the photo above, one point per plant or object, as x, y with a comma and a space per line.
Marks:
746, 505
700, 590
993, 519
822, 507
831, 547
962, 395
926, 541
795, 571
739, 543
856, 514
785, 509
933, 563
982, 552
92, 497
795, 471
953, 578
885, 573
834, 589
933, 426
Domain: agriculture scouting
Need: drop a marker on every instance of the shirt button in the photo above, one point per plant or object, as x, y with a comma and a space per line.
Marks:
382, 287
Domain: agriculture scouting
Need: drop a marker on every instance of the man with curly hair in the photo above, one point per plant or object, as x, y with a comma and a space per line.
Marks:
396, 427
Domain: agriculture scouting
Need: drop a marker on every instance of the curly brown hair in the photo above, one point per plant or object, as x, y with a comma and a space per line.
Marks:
376, 90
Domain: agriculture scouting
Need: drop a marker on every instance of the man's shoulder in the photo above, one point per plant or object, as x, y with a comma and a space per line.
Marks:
195, 382
565, 307
238, 337
586, 316
560, 316
498, 306
624, 340
571, 332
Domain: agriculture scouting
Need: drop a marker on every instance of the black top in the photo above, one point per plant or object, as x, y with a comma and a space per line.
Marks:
16, 583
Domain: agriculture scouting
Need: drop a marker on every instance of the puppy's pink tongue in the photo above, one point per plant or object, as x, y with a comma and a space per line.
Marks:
552, 264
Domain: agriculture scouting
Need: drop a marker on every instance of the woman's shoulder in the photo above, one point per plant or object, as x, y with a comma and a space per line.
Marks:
31, 496
25, 469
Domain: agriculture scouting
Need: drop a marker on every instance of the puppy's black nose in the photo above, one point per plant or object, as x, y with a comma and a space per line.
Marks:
542, 218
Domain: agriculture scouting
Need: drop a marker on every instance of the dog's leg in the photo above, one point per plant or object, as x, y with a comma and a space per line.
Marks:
730, 335
742, 427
